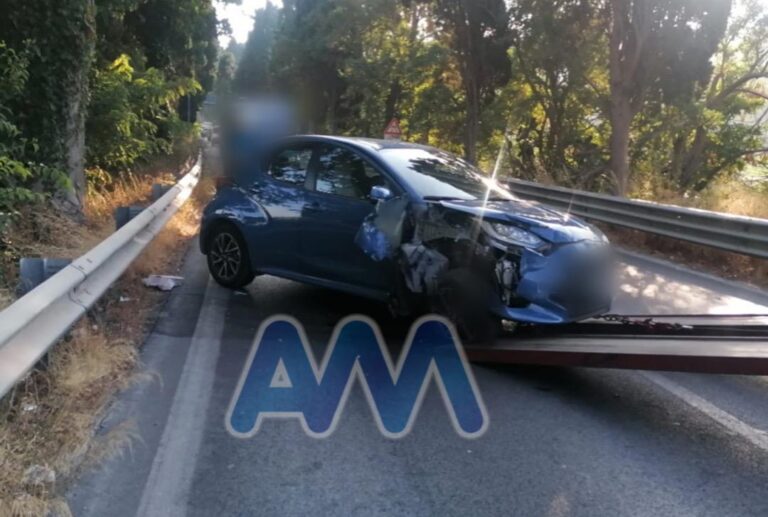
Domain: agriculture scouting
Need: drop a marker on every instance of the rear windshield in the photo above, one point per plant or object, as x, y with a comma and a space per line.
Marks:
440, 175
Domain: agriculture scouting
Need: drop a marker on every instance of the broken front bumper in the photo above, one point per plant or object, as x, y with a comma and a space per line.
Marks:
571, 283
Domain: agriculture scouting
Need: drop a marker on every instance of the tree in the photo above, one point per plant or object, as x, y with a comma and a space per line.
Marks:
478, 31
179, 38
406, 72
132, 115
311, 49
253, 72
225, 73
721, 136
75, 105
595, 93
22, 178
553, 99
236, 49
61, 36
656, 48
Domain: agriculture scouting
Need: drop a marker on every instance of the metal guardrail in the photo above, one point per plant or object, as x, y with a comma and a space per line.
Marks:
33, 324
739, 234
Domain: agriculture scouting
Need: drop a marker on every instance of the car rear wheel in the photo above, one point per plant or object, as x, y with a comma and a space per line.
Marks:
228, 259
462, 297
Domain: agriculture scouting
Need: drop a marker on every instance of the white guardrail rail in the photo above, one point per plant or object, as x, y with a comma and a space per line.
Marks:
34, 323
739, 234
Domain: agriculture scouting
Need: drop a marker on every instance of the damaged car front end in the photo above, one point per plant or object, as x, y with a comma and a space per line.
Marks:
514, 259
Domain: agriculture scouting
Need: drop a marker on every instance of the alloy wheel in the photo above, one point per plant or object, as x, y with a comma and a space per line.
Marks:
226, 256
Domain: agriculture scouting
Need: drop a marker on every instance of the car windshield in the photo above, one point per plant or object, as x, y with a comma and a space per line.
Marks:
436, 174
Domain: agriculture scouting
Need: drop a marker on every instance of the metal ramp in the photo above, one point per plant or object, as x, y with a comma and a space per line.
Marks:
684, 343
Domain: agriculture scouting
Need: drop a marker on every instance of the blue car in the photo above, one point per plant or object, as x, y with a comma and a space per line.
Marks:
410, 225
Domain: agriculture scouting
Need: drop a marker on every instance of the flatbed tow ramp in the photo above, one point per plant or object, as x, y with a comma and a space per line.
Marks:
683, 343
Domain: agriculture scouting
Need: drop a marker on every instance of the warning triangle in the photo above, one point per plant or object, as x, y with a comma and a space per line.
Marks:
280, 379
393, 130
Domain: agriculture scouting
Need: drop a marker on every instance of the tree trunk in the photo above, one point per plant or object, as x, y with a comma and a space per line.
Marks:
622, 73
676, 158
694, 160
332, 102
393, 100
463, 26
472, 120
75, 139
621, 121
75, 111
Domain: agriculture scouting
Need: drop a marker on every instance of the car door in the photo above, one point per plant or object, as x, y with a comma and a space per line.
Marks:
281, 192
337, 203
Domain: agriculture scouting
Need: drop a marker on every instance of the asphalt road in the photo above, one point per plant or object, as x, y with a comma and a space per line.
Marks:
561, 442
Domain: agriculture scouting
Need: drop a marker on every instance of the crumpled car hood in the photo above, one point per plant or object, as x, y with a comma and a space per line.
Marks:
549, 224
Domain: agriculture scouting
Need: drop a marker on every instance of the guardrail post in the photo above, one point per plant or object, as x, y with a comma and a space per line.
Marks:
123, 214
35, 271
159, 190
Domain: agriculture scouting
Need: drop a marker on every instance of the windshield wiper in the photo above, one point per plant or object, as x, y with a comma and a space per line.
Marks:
444, 198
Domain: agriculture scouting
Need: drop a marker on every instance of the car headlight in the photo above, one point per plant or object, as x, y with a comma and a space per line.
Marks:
512, 235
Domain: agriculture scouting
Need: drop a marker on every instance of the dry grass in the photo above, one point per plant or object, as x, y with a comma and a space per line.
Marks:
49, 419
42, 233
724, 195
735, 198
130, 190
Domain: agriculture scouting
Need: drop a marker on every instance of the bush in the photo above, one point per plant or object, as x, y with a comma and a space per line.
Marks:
132, 115
22, 181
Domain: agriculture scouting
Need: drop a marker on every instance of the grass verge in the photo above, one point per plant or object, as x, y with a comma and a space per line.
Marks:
47, 424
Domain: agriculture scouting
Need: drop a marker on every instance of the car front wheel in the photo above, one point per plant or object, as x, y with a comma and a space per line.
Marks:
228, 259
462, 297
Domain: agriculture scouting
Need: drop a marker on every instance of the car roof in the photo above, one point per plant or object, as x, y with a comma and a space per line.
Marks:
372, 144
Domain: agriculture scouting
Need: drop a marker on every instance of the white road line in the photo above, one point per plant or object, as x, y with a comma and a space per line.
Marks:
757, 437
166, 491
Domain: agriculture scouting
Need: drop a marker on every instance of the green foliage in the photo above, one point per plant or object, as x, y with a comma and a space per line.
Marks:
236, 49
142, 64
156, 59
22, 180
253, 72
462, 73
133, 115
56, 34
553, 104
720, 130
177, 37
225, 74
402, 73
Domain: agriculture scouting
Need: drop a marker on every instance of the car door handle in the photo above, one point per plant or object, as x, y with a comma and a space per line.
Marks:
314, 206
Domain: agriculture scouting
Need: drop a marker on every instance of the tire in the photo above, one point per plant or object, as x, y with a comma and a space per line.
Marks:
228, 258
462, 297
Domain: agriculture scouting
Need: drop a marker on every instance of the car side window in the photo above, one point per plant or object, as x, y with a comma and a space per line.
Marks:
344, 173
290, 165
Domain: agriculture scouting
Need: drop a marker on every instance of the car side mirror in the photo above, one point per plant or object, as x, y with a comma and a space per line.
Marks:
379, 193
